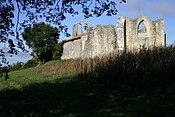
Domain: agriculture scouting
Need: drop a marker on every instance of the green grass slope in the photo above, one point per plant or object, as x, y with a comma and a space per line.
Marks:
58, 89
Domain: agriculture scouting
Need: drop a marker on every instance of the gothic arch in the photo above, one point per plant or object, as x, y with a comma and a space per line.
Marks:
146, 21
142, 23
142, 29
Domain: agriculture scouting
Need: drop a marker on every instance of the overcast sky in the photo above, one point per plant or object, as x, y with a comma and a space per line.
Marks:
154, 9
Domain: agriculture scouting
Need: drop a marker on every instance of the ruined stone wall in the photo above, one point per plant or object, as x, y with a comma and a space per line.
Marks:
73, 49
100, 41
129, 35
131, 38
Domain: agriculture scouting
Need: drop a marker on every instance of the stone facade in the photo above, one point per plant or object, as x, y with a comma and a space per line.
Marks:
128, 35
131, 37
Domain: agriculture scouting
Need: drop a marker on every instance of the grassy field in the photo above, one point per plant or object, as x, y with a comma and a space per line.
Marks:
30, 94
138, 85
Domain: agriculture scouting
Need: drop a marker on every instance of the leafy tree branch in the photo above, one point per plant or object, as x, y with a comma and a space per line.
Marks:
52, 11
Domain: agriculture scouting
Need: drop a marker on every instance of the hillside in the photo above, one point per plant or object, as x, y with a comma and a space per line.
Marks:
129, 85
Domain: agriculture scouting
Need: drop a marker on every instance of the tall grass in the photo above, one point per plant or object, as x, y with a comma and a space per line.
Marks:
60, 68
28, 93
146, 68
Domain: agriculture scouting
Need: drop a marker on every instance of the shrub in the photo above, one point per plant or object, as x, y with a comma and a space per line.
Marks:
58, 51
31, 63
57, 56
16, 66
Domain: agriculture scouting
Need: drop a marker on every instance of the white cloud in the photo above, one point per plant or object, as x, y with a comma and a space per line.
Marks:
164, 8
20, 57
153, 7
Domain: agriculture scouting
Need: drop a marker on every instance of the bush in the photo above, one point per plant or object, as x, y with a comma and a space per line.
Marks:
31, 63
16, 66
57, 56
58, 51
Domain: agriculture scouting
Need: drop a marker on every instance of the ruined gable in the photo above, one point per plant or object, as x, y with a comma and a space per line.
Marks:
130, 35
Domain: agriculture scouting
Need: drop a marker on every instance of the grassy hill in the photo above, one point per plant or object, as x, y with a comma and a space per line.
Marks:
130, 85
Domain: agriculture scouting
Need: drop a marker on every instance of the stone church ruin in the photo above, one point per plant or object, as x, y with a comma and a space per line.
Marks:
128, 35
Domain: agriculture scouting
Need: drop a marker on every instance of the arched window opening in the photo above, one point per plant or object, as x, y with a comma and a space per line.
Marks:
80, 28
142, 35
142, 30
141, 27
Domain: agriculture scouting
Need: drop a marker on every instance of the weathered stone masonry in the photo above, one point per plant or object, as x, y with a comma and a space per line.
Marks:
129, 34
130, 37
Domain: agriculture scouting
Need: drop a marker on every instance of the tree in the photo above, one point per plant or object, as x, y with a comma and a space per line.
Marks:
52, 11
58, 51
42, 38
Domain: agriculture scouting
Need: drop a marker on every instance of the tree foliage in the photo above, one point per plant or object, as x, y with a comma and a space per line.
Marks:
31, 63
28, 12
42, 38
58, 51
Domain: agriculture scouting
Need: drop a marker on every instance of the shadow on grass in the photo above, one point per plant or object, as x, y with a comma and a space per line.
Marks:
75, 97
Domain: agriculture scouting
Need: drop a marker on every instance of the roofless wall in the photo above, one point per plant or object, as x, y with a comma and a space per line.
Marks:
129, 34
